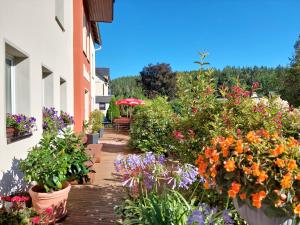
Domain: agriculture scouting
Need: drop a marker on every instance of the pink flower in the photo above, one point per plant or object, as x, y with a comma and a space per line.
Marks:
36, 220
6, 198
194, 110
178, 135
49, 211
20, 199
255, 85
191, 133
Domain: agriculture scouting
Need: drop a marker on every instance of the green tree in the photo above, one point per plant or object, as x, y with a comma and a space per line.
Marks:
127, 87
158, 80
291, 82
113, 110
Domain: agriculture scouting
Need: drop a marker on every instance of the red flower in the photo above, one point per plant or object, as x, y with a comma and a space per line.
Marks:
178, 135
19, 199
49, 211
194, 110
36, 220
6, 198
255, 85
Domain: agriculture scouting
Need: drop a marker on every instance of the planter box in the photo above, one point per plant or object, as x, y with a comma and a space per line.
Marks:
258, 217
11, 132
92, 138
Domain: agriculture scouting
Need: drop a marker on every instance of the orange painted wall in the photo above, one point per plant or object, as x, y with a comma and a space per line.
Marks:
80, 82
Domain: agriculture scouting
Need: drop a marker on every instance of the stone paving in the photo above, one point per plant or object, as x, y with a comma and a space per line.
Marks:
94, 204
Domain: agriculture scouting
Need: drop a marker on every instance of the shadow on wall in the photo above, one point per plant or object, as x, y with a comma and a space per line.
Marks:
12, 180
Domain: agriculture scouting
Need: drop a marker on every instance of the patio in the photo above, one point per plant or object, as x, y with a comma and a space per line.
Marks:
94, 204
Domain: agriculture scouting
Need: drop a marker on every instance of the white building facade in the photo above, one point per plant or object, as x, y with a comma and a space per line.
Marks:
36, 70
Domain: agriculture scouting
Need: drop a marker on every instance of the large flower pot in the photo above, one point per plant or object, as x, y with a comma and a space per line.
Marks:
257, 216
93, 138
101, 132
56, 200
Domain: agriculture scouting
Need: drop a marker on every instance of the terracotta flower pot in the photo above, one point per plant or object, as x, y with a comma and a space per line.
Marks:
11, 132
57, 200
258, 217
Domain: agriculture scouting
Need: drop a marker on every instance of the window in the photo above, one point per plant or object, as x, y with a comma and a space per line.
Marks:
84, 33
102, 106
59, 13
48, 87
17, 81
10, 85
86, 104
63, 95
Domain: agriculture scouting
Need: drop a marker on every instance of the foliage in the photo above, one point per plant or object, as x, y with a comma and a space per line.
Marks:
96, 120
53, 122
113, 110
15, 212
291, 125
127, 87
150, 202
291, 81
158, 80
21, 122
147, 172
55, 160
257, 167
151, 126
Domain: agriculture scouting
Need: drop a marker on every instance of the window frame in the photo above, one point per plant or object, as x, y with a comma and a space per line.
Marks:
12, 83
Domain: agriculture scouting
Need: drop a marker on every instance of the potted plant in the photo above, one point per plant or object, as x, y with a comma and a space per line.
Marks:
98, 117
19, 125
260, 171
95, 125
51, 165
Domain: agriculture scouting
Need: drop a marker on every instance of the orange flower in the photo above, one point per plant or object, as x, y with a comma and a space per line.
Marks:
214, 157
208, 152
239, 147
257, 198
213, 171
206, 184
229, 165
255, 169
243, 196
199, 160
278, 151
279, 163
298, 176
249, 158
265, 133
247, 170
234, 190
225, 152
286, 181
297, 209
275, 135
292, 142
262, 177
292, 164
252, 137
202, 168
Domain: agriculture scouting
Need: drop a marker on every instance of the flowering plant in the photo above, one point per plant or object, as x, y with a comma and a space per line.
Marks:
21, 122
148, 171
259, 167
54, 122
15, 211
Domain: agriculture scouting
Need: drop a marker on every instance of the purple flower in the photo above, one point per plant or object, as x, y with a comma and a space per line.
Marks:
197, 218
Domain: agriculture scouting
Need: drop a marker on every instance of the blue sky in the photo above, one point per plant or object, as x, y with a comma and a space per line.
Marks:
234, 32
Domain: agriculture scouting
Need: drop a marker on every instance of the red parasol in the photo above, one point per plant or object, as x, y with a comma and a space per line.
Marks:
130, 102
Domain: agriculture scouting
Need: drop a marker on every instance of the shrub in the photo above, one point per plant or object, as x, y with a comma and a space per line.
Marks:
259, 167
113, 110
152, 125
55, 160
96, 120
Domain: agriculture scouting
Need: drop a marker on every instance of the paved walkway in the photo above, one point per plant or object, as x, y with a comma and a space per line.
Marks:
94, 204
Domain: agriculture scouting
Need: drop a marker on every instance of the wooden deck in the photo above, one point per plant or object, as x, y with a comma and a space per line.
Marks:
94, 204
